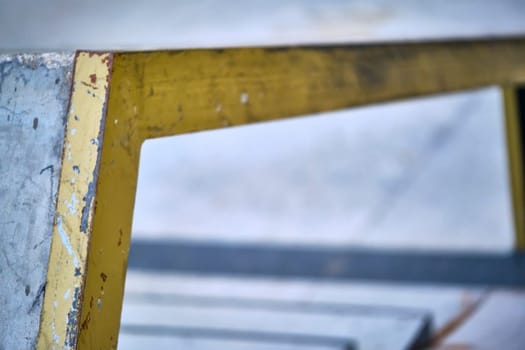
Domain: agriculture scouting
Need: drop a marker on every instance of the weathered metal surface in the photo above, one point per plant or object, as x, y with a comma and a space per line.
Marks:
111, 225
75, 204
196, 90
164, 93
34, 95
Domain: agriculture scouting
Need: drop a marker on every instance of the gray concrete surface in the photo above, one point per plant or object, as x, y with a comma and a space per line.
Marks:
34, 95
443, 303
371, 315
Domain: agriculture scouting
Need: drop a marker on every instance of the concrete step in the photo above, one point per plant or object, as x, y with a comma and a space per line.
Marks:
196, 312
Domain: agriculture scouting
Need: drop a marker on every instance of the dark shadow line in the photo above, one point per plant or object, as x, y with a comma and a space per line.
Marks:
335, 264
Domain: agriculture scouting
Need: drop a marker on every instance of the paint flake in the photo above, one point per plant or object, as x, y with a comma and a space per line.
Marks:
66, 242
244, 98
72, 206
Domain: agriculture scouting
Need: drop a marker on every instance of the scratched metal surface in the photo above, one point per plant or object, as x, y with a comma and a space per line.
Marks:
34, 95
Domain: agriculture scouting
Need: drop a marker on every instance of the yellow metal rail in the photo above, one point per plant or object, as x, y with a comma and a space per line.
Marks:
121, 99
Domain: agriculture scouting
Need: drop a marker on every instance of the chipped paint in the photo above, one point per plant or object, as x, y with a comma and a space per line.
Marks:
72, 205
86, 211
72, 320
66, 241
244, 98
111, 221
70, 241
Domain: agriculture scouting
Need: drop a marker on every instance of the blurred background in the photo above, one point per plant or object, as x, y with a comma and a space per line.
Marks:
379, 227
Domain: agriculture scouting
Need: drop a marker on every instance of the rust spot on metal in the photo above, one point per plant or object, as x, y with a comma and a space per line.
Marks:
119, 243
154, 129
89, 85
103, 276
107, 60
85, 324
370, 74
180, 112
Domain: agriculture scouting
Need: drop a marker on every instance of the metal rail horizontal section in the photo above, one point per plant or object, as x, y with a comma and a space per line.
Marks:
193, 90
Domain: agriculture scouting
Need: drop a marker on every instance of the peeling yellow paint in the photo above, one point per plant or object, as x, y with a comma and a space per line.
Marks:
110, 238
164, 93
69, 247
